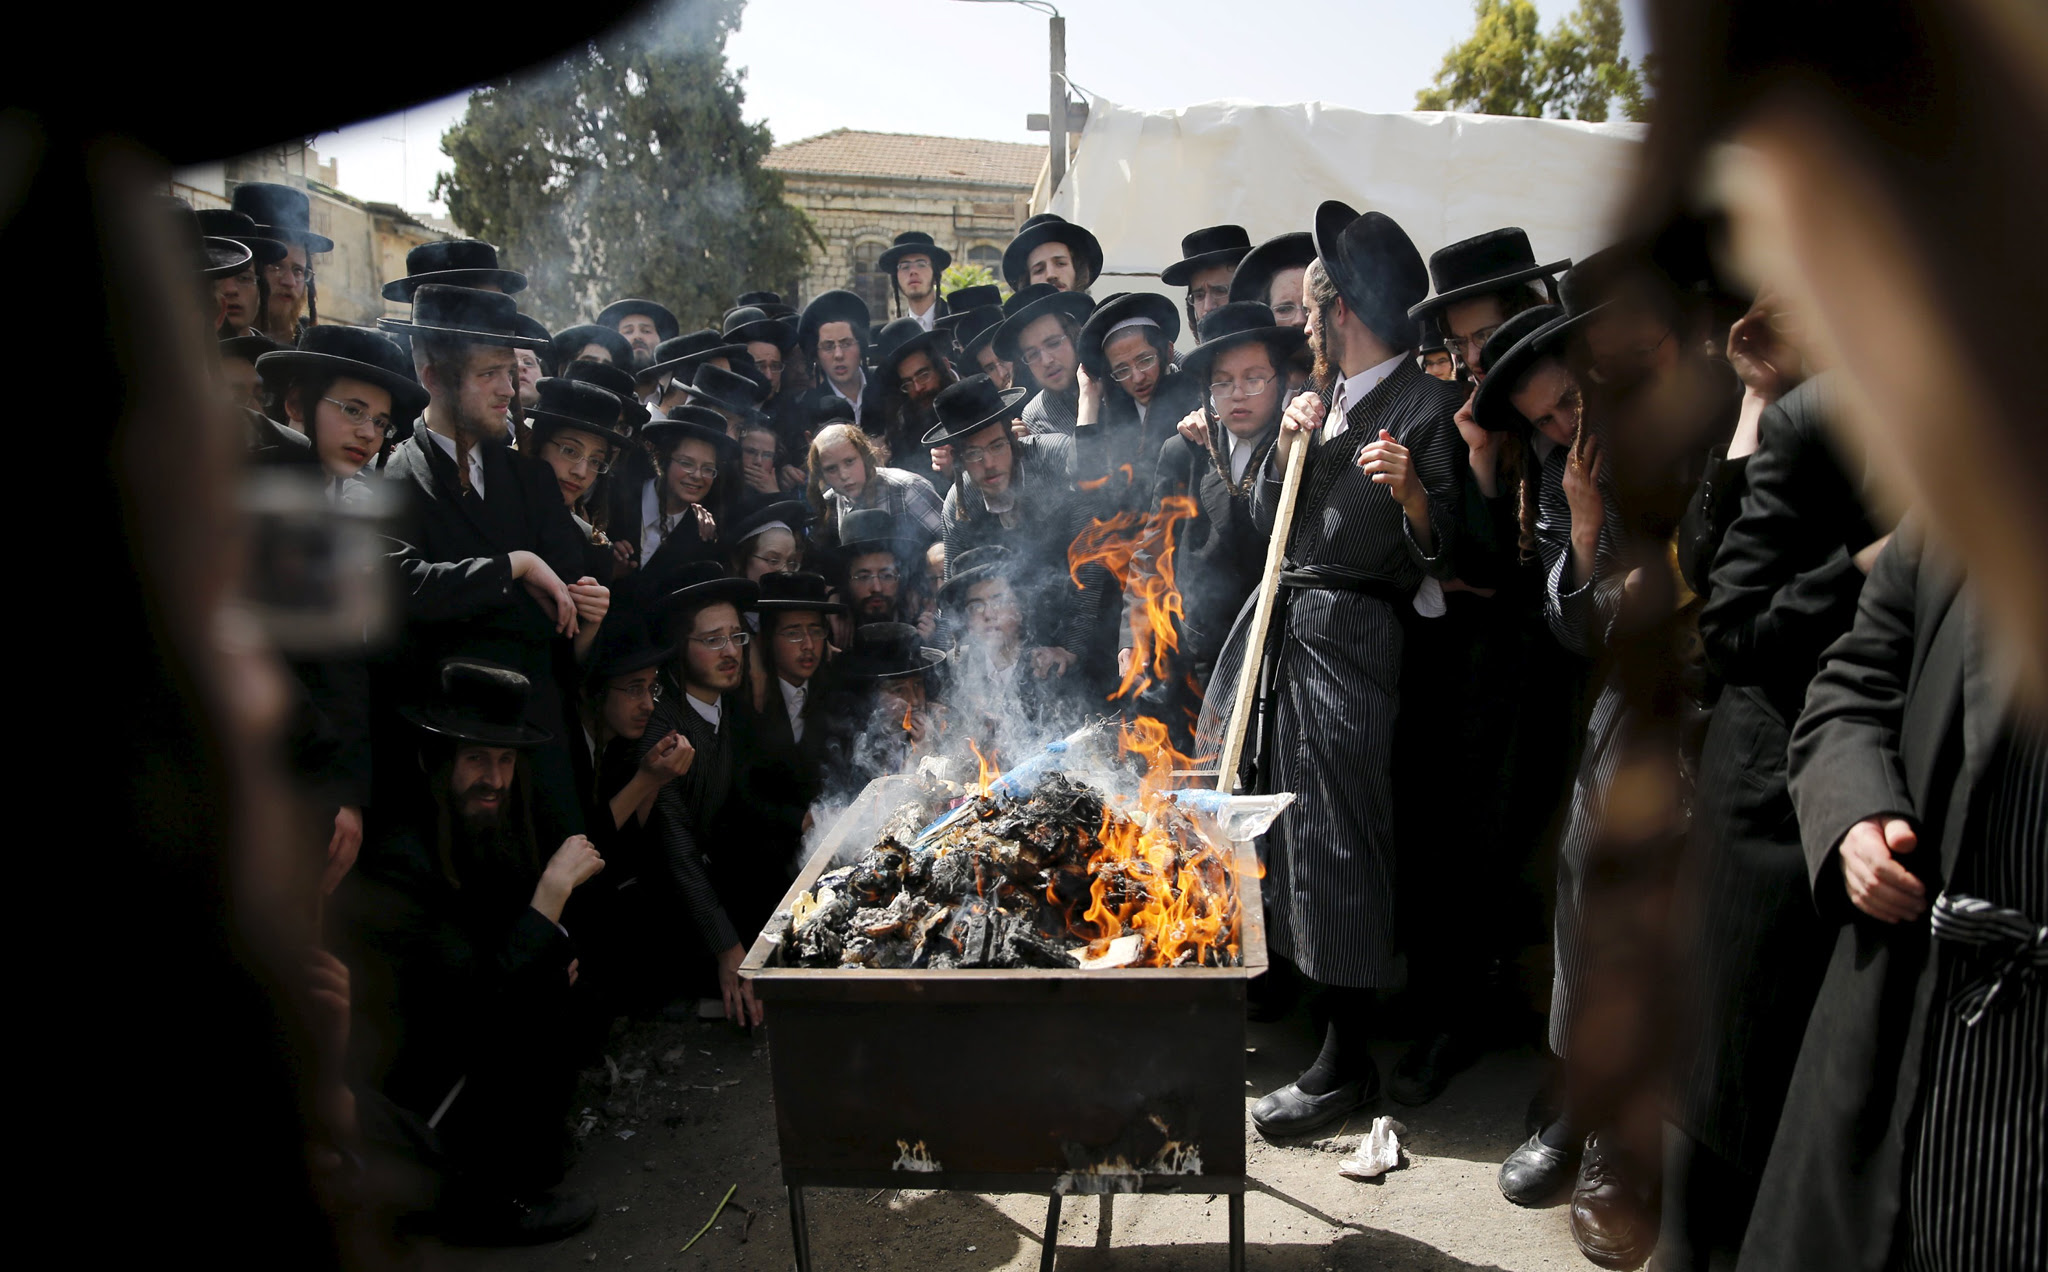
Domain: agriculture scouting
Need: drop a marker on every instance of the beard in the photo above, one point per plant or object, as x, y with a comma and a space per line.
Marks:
879, 608
642, 358
483, 821
1325, 373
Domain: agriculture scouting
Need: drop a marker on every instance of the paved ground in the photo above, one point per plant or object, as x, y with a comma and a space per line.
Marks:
662, 1148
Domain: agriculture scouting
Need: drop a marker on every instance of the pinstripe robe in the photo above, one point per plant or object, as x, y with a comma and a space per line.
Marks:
1330, 859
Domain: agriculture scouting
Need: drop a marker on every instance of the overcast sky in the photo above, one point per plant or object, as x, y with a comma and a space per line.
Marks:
962, 68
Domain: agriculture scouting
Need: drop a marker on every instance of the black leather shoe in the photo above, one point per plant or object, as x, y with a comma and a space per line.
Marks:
1290, 1111
1613, 1222
519, 1221
1428, 1068
1537, 1174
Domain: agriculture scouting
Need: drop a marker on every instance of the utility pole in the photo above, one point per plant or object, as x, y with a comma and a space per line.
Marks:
1056, 112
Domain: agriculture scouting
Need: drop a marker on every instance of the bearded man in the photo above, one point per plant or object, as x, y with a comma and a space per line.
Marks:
643, 323
284, 214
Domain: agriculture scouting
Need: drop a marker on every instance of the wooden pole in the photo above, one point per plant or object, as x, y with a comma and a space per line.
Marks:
1262, 618
1056, 113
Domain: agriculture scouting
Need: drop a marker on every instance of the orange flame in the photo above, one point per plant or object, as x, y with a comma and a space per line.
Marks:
906, 717
1138, 551
987, 776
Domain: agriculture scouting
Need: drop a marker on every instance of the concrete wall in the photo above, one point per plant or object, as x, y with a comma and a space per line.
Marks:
859, 216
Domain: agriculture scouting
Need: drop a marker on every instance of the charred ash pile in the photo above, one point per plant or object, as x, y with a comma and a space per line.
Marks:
1063, 878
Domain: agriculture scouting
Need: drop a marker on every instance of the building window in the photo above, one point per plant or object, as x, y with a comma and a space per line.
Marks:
869, 282
988, 257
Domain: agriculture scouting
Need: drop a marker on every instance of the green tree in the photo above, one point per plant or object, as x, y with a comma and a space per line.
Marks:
624, 168
1507, 66
961, 274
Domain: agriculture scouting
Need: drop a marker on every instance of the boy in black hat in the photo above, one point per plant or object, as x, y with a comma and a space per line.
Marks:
1208, 259
1041, 331
643, 323
464, 977
781, 773
834, 332
914, 263
1051, 250
244, 293
284, 214
1481, 282
1271, 274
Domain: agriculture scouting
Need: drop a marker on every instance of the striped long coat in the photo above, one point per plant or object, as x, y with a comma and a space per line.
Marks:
1330, 860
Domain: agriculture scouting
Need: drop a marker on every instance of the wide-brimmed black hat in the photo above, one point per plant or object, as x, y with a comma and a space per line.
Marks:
832, 409
566, 403
1376, 268
1031, 304
976, 565
902, 338
1254, 277
280, 212
570, 341
970, 406
229, 224
793, 514
914, 243
965, 300
622, 649
331, 349
1483, 263
833, 306
1240, 322
798, 591
1432, 339
760, 299
727, 390
480, 702
456, 263
616, 382
1047, 227
690, 587
1139, 308
976, 328
211, 256
679, 356
750, 324
1218, 245
887, 651
665, 324
685, 422
250, 347
534, 327
464, 314
1514, 347
863, 530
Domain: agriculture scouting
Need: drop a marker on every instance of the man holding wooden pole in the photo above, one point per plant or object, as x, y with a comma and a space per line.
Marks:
1373, 517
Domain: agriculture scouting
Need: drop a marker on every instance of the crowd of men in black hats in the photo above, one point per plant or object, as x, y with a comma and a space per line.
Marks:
671, 597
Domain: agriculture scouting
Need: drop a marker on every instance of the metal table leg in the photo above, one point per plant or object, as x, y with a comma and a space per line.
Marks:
1051, 1249
1237, 1232
799, 1229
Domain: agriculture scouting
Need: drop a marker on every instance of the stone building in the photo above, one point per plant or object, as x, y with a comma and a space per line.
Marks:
862, 189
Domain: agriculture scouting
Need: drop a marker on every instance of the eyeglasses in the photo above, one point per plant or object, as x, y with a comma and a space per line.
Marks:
770, 368
875, 576
650, 690
778, 563
838, 346
996, 604
690, 468
1218, 294
719, 644
918, 379
576, 455
357, 413
1288, 313
1137, 366
976, 454
1039, 353
798, 635
1250, 387
1468, 347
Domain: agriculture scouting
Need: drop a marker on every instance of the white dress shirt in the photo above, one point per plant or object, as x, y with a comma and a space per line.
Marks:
1353, 391
476, 460
793, 702
855, 399
650, 521
929, 316
707, 711
1240, 457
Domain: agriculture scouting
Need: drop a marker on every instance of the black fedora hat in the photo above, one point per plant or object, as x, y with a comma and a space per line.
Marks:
665, 324
726, 390
571, 341
1044, 228
616, 382
759, 299
976, 565
833, 306
566, 403
902, 338
1510, 352
1240, 322
793, 515
887, 651
798, 590
361, 353
1483, 263
695, 584
1031, 304
685, 423
280, 212
965, 300
229, 224
679, 356
1254, 277
1121, 310
481, 702
621, 650
464, 314
914, 243
750, 324
1376, 269
456, 262
1218, 245
250, 347
864, 530
970, 406
976, 328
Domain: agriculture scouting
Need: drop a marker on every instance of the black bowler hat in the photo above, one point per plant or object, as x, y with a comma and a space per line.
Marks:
357, 352
1049, 228
1516, 346
280, 212
1432, 339
965, 300
1481, 264
1224, 245
798, 590
228, 224
749, 324
1141, 308
684, 423
573, 404
976, 565
464, 314
833, 306
970, 406
534, 327
680, 356
665, 324
1254, 277
480, 702
250, 347
914, 243
1240, 322
887, 651
976, 328
456, 262
902, 338
616, 382
1376, 269
699, 583
570, 341
793, 515
1031, 304
726, 390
